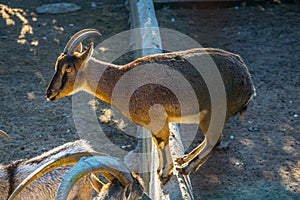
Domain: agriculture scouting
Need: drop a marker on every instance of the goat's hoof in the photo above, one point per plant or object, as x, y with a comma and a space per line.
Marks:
181, 161
165, 179
190, 167
184, 170
165, 175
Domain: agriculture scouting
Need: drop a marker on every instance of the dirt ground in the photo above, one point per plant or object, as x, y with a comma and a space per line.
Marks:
263, 159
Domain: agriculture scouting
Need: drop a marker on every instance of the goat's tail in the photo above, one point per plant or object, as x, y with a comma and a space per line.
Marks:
245, 106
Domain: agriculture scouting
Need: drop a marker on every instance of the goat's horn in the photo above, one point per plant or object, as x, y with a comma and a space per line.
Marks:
5, 135
64, 160
74, 37
106, 164
77, 38
71, 40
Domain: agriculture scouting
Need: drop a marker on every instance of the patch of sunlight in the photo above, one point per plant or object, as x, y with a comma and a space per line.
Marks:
102, 49
31, 96
214, 179
268, 140
58, 29
290, 175
40, 75
108, 116
247, 142
8, 13
237, 163
286, 127
34, 17
289, 145
269, 175
94, 104
35, 43
120, 124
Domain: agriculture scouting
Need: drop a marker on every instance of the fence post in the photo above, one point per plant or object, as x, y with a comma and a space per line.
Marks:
179, 187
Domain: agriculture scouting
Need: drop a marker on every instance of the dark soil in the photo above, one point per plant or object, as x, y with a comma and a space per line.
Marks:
262, 161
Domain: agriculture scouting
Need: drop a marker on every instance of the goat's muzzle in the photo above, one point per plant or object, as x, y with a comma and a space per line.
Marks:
51, 95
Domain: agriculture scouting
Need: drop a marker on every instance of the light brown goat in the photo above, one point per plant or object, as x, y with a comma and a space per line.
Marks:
122, 184
45, 187
100, 78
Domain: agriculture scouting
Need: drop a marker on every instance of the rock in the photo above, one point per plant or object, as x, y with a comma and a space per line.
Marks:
224, 145
253, 129
57, 8
93, 5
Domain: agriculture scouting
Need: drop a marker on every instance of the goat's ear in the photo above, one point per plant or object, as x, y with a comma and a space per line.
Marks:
87, 53
78, 48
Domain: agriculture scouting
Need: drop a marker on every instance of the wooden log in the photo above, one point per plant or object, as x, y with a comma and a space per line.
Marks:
147, 38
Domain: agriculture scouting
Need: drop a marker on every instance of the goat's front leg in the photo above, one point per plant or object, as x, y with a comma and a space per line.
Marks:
161, 139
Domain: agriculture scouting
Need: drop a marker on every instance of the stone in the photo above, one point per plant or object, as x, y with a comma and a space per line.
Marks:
58, 8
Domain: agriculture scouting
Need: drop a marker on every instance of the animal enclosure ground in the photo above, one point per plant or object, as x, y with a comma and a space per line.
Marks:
263, 159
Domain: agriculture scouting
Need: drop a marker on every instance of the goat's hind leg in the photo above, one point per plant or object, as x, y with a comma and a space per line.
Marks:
200, 154
197, 161
204, 124
194, 153
190, 156
200, 159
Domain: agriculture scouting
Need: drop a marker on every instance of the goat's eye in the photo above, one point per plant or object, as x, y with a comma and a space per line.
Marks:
68, 69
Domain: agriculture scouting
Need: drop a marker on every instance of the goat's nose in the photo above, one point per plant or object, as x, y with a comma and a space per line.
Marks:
48, 93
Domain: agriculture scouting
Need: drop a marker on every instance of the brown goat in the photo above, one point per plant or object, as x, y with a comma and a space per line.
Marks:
100, 78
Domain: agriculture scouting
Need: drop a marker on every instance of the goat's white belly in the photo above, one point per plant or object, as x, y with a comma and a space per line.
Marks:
190, 119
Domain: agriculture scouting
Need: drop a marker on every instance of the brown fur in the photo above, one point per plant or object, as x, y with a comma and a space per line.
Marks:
237, 81
46, 186
114, 190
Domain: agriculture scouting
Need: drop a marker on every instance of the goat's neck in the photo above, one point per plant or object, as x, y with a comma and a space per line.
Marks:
101, 78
